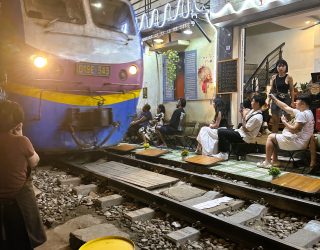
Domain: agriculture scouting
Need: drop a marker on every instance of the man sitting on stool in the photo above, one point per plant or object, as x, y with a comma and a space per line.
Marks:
295, 136
251, 123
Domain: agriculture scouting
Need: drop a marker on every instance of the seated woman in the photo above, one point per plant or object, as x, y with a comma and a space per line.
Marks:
174, 123
296, 135
148, 132
208, 136
140, 122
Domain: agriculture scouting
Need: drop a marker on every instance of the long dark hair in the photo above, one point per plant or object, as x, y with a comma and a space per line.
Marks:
162, 108
219, 107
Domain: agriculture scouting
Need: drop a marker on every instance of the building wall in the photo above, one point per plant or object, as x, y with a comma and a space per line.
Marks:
300, 50
197, 110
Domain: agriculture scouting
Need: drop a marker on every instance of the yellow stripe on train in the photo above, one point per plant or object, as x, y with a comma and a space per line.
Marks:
71, 99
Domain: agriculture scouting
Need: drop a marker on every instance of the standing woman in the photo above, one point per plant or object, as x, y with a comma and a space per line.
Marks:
20, 223
282, 88
208, 136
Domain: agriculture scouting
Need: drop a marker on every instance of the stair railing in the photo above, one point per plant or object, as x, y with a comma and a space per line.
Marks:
261, 76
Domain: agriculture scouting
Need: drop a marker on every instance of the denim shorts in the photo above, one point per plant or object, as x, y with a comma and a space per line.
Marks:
275, 110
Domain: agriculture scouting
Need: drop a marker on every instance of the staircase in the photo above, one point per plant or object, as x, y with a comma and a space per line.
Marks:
260, 78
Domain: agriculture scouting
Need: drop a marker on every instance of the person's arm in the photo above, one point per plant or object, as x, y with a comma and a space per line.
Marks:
291, 88
272, 90
293, 128
33, 160
216, 124
281, 105
244, 114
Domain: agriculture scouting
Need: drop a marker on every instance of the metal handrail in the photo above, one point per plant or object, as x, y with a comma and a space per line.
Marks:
265, 61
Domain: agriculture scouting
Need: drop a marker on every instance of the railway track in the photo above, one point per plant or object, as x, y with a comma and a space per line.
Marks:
227, 220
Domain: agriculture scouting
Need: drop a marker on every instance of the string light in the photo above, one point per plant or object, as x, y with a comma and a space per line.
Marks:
188, 8
184, 9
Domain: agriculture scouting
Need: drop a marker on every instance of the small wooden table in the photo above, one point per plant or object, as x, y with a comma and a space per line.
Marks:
203, 160
123, 148
298, 182
152, 152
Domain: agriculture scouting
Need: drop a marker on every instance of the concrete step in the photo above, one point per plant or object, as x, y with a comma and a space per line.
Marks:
58, 238
81, 236
256, 157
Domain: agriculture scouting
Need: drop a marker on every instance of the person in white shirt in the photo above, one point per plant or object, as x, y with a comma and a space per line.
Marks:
251, 123
296, 134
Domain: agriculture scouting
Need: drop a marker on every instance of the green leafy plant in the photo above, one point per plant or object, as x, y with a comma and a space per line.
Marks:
274, 171
172, 61
146, 145
303, 87
184, 153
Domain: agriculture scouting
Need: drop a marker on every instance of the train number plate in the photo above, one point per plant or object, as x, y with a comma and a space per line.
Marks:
92, 69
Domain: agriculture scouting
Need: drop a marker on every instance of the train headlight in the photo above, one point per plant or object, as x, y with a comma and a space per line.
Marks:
133, 69
40, 61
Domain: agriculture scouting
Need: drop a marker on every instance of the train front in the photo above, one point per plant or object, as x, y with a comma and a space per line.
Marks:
75, 67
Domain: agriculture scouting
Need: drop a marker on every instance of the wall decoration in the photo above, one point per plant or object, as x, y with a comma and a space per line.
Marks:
205, 78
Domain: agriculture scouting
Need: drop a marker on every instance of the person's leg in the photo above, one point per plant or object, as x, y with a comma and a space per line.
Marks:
227, 136
313, 152
275, 123
271, 153
159, 132
275, 116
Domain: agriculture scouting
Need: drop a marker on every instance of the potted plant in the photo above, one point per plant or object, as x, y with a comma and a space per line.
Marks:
172, 61
184, 154
146, 145
274, 172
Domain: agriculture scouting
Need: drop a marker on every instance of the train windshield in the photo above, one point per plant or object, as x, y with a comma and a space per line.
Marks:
70, 11
113, 15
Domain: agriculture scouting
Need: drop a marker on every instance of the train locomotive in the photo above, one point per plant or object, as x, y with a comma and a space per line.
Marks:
76, 68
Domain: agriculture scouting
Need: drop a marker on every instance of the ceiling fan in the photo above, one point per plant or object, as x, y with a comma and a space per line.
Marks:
314, 24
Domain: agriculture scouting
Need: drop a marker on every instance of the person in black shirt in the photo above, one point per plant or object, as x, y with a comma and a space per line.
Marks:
174, 123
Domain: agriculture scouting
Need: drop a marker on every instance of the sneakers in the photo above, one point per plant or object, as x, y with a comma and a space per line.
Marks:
223, 156
266, 132
264, 164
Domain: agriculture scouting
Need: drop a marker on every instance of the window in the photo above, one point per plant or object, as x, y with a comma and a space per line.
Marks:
113, 15
70, 11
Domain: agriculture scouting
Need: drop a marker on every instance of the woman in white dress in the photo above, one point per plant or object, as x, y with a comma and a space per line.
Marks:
208, 136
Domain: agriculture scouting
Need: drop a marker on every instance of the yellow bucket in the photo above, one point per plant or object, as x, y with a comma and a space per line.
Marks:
109, 243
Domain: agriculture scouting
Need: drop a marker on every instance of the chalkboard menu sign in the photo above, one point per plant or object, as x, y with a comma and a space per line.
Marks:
227, 76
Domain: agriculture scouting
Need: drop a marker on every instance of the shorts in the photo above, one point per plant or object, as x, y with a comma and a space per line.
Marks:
275, 110
167, 130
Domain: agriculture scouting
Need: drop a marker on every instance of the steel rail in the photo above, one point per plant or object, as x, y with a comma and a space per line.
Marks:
219, 226
280, 201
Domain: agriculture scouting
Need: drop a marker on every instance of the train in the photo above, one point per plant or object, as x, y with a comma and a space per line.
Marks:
76, 68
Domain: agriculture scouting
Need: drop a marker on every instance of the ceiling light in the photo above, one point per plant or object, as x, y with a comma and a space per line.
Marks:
307, 22
187, 32
158, 40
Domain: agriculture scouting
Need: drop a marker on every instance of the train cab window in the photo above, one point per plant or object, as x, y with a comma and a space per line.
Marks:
70, 11
114, 15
